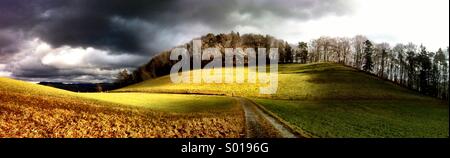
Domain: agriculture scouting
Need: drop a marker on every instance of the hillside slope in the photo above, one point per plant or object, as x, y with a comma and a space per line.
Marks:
332, 100
296, 82
30, 110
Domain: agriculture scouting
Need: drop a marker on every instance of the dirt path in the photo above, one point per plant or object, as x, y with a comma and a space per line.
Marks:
261, 125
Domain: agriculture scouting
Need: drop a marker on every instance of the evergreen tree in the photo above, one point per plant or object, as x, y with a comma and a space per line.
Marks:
425, 68
368, 50
411, 68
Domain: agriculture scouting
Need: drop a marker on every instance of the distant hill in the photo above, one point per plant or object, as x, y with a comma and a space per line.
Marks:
82, 87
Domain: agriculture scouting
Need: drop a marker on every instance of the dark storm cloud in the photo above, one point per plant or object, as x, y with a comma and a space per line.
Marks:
9, 43
139, 27
79, 22
89, 22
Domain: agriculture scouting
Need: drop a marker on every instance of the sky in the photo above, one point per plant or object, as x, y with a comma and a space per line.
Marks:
91, 40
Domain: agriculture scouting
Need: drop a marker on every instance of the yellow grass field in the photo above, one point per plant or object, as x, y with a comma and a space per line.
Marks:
296, 82
30, 110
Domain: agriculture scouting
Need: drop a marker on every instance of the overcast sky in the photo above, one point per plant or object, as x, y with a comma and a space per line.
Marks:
90, 40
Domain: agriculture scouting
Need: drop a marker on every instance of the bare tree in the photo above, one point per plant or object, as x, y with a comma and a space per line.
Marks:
358, 46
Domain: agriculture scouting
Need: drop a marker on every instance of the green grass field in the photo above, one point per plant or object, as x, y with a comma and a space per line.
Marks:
364, 118
331, 100
342, 102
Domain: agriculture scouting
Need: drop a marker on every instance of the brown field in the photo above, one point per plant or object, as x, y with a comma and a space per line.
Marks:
36, 115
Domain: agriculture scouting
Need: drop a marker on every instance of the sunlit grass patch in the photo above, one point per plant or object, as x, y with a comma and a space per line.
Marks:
167, 102
12, 85
296, 82
164, 84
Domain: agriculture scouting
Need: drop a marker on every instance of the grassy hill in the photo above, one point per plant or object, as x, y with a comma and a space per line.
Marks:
332, 100
31, 110
296, 82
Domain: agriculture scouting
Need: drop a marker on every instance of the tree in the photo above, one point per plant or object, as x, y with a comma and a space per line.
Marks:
434, 80
283, 57
411, 62
445, 76
411, 68
210, 40
358, 46
383, 48
321, 48
235, 39
123, 77
368, 50
315, 51
303, 52
344, 48
325, 42
399, 50
99, 88
439, 64
424, 73
288, 53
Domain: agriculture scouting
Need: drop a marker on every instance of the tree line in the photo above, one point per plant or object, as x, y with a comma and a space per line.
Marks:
408, 65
